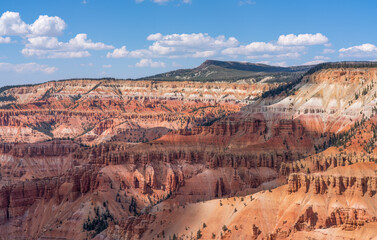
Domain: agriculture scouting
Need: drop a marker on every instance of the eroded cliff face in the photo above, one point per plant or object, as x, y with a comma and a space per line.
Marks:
301, 208
175, 167
324, 104
154, 159
96, 111
329, 100
46, 181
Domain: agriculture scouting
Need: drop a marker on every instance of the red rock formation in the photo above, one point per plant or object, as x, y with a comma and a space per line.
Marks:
207, 147
339, 184
307, 221
91, 111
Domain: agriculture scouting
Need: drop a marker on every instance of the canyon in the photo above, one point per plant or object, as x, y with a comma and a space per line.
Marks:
285, 155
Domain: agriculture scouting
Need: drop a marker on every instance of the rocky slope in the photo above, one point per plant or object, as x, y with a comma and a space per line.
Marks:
95, 111
338, 204
121, 159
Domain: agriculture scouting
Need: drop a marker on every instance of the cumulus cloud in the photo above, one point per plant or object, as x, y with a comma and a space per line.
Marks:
107, 66
118, 53
287, 46
255, 49
81, 42
290, 55
5, 40
155, 37
202, 45
150, 63
50, 47
192, 40
41, 40
196, 45
360, 51
27, 68
42, 53
47, 26
11, 24
302, 39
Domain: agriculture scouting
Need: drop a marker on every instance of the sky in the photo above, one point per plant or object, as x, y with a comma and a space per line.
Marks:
42, 40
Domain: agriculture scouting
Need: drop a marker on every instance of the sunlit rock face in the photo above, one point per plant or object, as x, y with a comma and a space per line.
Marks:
97, 111
158, 159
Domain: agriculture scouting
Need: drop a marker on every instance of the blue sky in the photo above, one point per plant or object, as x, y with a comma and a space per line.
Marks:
44, 40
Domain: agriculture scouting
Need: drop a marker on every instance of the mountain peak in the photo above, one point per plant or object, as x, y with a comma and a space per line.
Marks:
215, 70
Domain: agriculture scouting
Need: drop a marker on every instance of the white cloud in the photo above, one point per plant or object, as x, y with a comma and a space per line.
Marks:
42, 53
118, 53
290, 55
177, 45
107, 66
192, 40
43, 42
150, 63
287, 46
81, 42
302, 39
5, 40
159, 49
50, 47
41, 39
260, 47
27, 68
202, 45
155, 37
360, 51
47, 26
12, 25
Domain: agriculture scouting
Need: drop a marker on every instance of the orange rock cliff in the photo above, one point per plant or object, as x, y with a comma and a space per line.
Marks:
123, 159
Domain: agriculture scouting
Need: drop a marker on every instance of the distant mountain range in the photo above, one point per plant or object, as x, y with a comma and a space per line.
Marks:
212, 70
